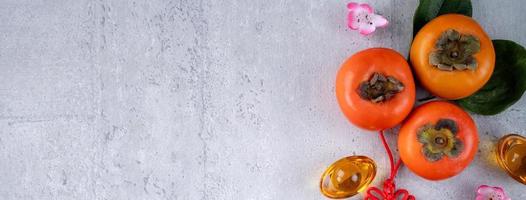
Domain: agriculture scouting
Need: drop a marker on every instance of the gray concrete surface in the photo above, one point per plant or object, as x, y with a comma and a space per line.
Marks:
202, 99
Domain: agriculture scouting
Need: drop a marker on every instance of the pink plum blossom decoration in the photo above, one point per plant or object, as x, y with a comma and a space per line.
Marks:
491, 193
362, 18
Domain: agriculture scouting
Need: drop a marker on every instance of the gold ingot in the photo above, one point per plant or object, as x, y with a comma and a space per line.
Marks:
511, 156
347, 177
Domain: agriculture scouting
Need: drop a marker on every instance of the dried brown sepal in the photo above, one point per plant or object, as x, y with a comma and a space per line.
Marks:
454, 51
440, 140
379, 88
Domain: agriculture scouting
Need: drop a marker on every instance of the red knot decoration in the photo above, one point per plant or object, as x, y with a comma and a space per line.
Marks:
389, 191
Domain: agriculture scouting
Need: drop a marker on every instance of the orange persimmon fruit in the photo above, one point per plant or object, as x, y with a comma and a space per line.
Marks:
438, 140
452, 56
375, 88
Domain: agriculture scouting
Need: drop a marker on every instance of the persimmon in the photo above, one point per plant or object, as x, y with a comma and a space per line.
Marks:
452, 56
375, 88
438, 140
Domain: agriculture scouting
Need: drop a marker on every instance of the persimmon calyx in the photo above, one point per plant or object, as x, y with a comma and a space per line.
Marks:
379, 88
440, 140
454, 51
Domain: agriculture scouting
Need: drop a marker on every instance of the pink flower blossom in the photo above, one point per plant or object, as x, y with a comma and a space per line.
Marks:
362, 18
491, 193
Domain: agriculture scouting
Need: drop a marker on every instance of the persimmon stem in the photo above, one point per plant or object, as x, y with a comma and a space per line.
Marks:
430, 97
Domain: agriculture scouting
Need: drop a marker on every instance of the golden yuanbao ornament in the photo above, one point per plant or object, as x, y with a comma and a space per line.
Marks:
347, 177
511, 156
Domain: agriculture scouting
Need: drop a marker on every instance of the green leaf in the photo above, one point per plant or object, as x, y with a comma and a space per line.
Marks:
507, 83
429, 9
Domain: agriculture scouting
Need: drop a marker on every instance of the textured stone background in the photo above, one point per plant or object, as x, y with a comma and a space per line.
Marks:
202, 99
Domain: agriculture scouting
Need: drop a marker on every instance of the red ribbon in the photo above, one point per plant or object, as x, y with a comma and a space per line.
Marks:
389, 191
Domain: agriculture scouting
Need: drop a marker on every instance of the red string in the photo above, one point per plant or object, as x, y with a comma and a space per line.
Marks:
389, 191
